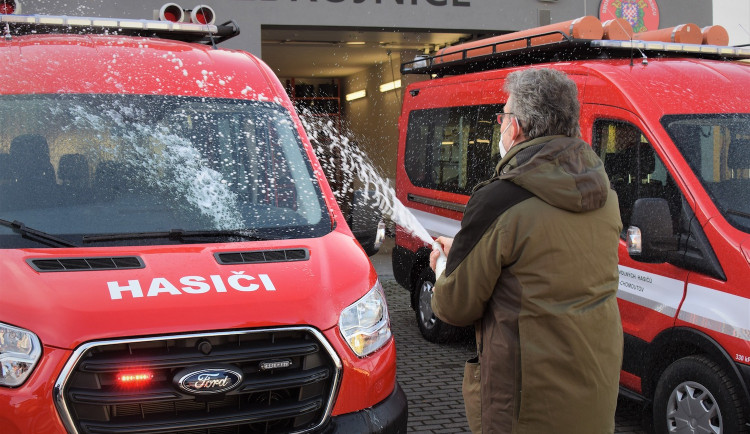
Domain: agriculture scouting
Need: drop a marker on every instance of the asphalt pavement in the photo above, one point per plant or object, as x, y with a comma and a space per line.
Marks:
431, 374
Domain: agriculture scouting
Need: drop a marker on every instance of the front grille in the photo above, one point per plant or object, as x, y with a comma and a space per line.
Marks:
290, 376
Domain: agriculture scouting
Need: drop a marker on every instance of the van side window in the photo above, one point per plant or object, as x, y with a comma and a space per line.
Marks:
452, 149
717, 149
634, 169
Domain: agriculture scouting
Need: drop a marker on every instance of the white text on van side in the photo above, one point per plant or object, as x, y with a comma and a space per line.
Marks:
191, 285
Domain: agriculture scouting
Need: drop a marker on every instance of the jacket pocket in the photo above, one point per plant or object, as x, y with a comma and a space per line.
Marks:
471, 391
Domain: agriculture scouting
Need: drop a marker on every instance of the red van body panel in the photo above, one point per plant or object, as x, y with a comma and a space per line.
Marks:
32, 408
115, 303
653, 93
159, 67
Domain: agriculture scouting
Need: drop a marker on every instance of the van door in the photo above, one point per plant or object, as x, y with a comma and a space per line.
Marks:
649, 294
717, 149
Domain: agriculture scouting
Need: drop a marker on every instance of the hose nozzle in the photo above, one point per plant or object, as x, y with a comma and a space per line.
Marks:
442, 259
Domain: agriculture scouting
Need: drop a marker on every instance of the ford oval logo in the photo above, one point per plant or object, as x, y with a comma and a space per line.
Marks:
208, 380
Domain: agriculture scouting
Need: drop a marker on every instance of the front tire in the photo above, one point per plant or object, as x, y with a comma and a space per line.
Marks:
431, 327
695, 395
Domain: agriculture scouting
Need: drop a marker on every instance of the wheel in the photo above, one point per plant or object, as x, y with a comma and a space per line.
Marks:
695, 395
430, 326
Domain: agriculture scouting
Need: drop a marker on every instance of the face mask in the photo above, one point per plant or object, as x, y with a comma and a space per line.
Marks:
502, 147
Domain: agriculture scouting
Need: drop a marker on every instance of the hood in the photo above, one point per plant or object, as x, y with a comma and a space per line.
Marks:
562, 171
183, 288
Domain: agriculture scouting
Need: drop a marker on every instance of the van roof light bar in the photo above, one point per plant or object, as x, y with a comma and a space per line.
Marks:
462, 61
728, 52
208, 34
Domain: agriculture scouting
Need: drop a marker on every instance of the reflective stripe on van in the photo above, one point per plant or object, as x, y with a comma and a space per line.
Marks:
652, 291
704, 307
718, 311
437, 225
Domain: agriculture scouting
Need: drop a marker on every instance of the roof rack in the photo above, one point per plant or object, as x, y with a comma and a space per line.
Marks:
17, 25
461, 61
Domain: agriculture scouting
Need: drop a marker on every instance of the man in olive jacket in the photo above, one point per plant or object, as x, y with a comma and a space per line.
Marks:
534, 268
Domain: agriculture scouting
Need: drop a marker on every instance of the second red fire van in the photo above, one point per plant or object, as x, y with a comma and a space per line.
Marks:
671, 122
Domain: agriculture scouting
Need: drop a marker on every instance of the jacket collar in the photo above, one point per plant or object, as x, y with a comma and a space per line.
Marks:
515, 157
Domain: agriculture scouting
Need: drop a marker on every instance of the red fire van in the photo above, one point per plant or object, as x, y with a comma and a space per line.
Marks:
172, 258
671, 122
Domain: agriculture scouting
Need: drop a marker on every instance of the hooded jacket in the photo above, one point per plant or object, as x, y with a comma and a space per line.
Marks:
538, 279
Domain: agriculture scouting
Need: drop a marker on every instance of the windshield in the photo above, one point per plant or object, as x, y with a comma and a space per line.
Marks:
78, 166
717, 148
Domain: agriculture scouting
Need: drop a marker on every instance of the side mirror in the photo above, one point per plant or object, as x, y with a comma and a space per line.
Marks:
366, 221
379, 235
650, 237
371, 239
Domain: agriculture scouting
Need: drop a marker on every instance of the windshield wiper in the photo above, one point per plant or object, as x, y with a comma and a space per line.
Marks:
739, 213
36, 235
174, 234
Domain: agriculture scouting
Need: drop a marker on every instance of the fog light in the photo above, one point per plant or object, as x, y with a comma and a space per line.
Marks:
134, 378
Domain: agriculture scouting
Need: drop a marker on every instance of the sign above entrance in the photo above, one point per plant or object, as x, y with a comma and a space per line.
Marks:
399, 2
643, 15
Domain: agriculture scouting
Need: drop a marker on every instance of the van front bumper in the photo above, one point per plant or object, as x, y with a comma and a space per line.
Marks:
388, 416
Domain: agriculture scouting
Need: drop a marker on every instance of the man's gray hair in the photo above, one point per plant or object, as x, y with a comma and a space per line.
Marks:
545, 102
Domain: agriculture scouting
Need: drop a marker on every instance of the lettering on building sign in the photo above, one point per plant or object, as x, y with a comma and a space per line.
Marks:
454, 3
238, 281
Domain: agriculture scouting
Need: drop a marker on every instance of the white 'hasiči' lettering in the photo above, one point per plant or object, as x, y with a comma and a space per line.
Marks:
238, 281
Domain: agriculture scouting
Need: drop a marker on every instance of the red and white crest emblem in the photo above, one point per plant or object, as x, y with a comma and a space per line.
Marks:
630, 11
643, 15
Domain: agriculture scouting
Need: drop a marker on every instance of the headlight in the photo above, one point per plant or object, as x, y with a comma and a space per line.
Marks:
365, 324
19, 352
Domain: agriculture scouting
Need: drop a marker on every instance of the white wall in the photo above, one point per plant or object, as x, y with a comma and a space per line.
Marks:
734, 15
373, 120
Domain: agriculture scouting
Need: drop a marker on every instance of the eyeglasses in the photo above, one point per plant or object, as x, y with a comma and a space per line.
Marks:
500, 116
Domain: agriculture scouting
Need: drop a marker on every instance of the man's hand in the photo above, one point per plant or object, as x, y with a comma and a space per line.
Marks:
446, 242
